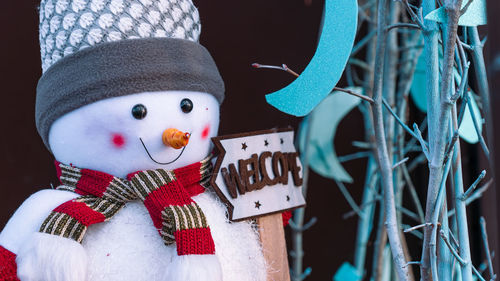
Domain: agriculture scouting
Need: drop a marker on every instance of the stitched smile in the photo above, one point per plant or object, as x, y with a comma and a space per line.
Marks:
157, 162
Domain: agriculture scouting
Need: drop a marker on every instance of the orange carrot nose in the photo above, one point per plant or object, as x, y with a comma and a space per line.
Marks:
175, 138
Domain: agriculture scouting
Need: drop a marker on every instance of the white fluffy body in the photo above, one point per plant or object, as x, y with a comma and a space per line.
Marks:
181, 268
28, 217
128, 247
131, 241
36, 259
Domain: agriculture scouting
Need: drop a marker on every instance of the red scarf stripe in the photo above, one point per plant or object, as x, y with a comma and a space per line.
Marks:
94, 182
81, 212
195, 189
193, 176
163, 197
167, 195
187, 239
58, 169
186, 176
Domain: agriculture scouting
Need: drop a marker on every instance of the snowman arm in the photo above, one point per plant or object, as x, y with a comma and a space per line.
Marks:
29, 217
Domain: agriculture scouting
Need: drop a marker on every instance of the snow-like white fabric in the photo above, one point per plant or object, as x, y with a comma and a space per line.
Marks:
67, 26
237, 244
129, 248
30, 215
84, 137
193, 268
49, 257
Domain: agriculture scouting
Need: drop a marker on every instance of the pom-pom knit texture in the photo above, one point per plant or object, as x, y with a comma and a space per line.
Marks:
166, 195
67, 26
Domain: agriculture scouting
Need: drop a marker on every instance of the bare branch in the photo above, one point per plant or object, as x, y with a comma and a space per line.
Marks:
464, 9
476, 126
398, 119
358, 62
474, 185
418, 19
400, 163
417, 227
368, 99
363, 42
476, 195
348, 197
452, 250
354, 156
404, 25
284, 67
484, 236
308, 225
384, 162
418, 134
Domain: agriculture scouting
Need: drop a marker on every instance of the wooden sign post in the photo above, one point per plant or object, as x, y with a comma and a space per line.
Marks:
272, 237
259, 175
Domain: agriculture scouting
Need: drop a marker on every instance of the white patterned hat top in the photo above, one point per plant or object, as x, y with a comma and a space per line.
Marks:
67, 26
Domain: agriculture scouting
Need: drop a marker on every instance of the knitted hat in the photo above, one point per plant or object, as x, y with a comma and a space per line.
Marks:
97, 49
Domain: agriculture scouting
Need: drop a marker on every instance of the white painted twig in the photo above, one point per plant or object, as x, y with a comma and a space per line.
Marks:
484, 236
381, 150
474, 185
417, 227
453, 251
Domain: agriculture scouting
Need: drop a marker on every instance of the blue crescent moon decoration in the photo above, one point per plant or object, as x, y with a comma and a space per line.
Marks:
340, 18
321, 125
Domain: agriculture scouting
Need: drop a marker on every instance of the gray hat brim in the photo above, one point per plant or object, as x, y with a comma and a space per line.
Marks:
122, 68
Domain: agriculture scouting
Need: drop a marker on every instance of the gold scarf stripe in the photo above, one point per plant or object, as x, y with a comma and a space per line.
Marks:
66, 226
119, 191
184, 217
48, 225
146, 182
69, 181
205, 182
206, 172
69, 175
167, 236
140, 186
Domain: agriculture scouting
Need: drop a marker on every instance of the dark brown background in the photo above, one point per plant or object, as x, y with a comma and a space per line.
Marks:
237, 33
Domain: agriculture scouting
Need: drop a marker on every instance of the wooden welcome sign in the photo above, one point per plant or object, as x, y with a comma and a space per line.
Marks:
259, 175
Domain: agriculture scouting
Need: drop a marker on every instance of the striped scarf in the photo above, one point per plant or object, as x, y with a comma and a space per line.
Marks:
166, 195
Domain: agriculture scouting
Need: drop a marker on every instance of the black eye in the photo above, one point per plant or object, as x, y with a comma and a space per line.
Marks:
186, 105
139, 111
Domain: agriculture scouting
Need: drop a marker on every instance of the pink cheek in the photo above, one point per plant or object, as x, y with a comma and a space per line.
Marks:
205, 132
118, 140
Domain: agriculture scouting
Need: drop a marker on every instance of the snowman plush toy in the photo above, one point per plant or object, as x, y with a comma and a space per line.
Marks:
127, 104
